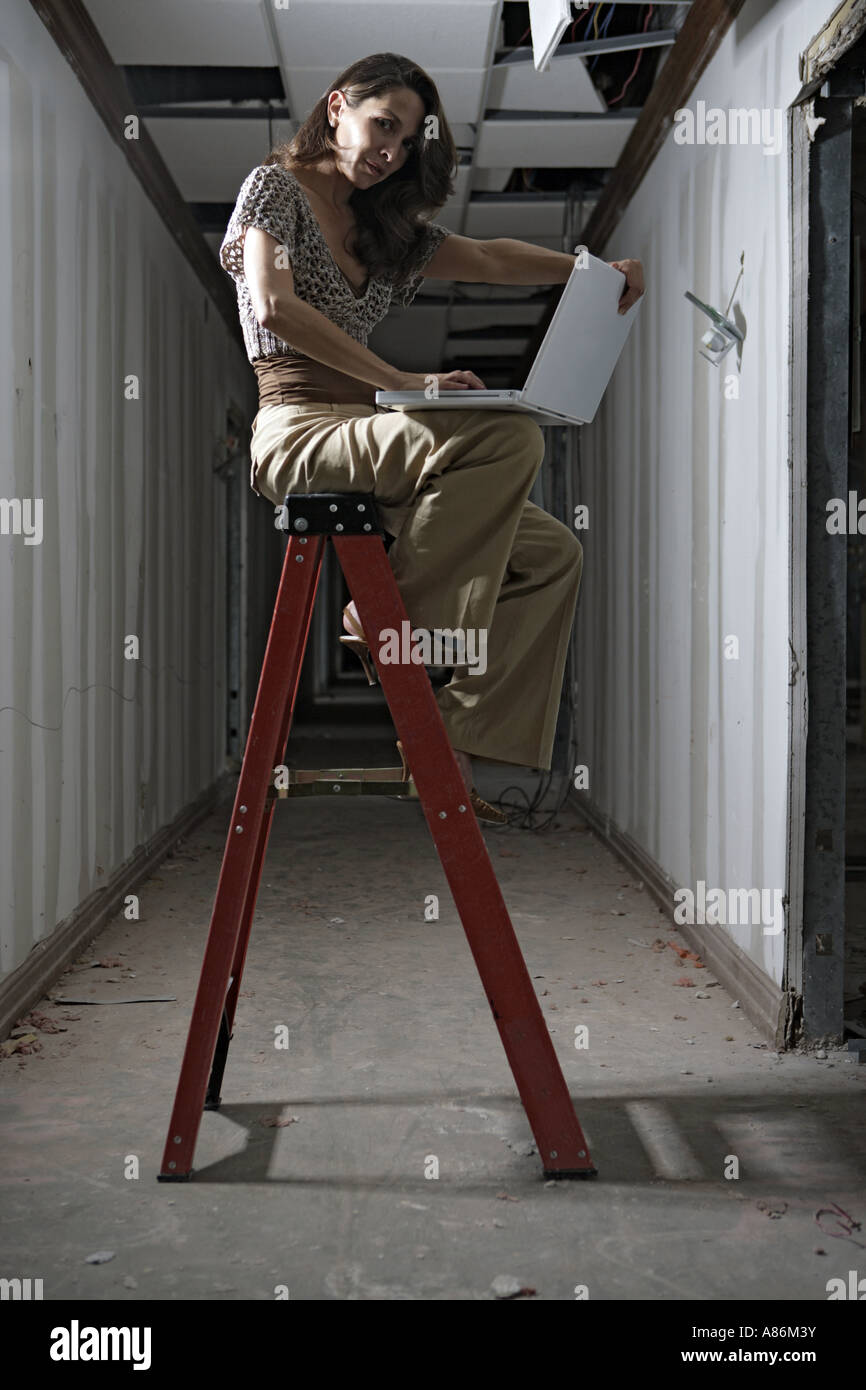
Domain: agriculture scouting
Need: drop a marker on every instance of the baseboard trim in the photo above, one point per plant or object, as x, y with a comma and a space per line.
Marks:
761, 999
27, 984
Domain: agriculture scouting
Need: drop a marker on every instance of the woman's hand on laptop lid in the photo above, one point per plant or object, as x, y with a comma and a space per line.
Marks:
634, 285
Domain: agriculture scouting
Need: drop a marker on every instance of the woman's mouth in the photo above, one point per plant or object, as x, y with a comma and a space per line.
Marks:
370, 165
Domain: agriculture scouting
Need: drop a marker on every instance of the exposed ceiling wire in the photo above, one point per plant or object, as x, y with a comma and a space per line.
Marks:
610, 16
631, 75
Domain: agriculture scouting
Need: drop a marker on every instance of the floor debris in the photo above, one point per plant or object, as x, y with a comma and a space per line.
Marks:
506, 1286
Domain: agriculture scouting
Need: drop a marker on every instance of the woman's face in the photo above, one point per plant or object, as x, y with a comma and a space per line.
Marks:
375, 138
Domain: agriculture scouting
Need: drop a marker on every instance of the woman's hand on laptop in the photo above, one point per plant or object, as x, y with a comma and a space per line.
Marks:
444, 381
634, 285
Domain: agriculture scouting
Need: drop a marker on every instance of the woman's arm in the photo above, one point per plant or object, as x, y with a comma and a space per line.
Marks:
278, 309
498, 262
504, 261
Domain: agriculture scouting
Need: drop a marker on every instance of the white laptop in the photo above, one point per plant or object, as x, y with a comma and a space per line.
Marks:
573, 365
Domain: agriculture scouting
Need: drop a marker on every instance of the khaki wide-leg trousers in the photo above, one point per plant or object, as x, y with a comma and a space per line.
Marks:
470, 551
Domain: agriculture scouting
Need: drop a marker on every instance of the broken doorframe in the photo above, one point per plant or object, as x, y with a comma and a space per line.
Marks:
820, 128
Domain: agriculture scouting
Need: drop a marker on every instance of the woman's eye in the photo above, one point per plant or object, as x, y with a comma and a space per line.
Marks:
383, 120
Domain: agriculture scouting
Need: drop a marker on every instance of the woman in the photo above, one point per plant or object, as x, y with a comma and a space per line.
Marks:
326, 235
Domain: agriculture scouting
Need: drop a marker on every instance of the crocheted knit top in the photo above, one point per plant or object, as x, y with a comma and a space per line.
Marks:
271, 197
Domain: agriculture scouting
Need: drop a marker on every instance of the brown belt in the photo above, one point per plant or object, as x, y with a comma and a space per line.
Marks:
303, 381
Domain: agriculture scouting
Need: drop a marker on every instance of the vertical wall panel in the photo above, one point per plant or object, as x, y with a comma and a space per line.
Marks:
97, 753
688, 496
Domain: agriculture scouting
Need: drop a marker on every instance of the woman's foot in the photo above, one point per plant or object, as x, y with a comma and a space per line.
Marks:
351, 621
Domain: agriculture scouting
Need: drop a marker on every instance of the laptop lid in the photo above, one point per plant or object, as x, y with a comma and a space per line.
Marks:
583, 342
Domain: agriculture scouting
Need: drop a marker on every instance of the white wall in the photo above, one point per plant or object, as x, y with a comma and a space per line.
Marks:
98, 752
689, 506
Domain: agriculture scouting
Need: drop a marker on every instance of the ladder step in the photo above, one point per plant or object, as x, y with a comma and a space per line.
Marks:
348, 781
405, 791
336, 774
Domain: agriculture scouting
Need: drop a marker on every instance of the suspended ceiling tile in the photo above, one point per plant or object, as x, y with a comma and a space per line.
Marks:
209, 159
464, 135
198, 32
520, 218
454, 210
440, 34
188, 145
460, 91
586, 143
566, 86
490, 180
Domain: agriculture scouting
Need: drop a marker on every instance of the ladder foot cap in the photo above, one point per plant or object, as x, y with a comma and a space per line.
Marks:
174, 1177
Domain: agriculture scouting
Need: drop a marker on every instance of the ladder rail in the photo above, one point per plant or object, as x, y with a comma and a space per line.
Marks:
468, 868
246, 841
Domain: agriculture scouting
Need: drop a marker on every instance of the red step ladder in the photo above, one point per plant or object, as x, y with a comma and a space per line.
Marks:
351, 521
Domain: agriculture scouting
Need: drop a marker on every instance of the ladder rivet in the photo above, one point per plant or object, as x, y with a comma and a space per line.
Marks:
442, 815
461, 808
177, 1139
302, 540
172, 1164
336, 787
239, 830
553, 1153
299, 559
361, 507
301, 523
333, 507
367, 526
243, 810
581, 1153
339, 526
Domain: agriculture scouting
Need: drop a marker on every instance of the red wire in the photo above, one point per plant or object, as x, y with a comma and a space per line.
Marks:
637, 63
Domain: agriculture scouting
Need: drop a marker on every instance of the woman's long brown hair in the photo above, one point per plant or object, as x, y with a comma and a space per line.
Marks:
390, 216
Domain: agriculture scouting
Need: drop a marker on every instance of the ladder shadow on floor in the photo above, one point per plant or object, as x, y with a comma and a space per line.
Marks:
685, 1141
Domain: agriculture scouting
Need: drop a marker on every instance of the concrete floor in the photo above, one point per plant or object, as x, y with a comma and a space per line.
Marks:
394, 1057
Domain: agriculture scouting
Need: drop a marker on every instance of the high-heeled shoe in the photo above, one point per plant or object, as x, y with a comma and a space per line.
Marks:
357, 643
483, 810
